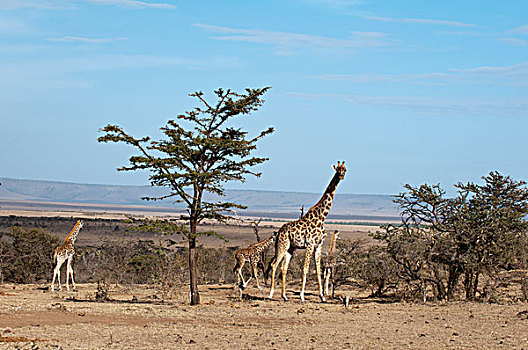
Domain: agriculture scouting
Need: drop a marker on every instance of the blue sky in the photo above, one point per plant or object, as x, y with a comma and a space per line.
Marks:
403, 91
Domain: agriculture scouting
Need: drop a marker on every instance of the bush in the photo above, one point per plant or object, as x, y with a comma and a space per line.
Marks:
26, 255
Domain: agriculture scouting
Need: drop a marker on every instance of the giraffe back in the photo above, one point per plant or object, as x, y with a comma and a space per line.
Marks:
253, 252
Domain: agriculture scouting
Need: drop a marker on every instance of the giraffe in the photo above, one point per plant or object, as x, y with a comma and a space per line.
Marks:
253, 255
330, 263
305, 233
65, 252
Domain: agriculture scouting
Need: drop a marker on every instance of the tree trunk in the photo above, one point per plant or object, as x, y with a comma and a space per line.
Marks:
452, 281
193, 263
471, 284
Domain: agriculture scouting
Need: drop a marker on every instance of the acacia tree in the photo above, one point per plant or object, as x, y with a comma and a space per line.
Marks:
495, 230
199, 154
481, 230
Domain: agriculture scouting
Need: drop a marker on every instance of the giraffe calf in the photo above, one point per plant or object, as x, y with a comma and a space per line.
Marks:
253, 255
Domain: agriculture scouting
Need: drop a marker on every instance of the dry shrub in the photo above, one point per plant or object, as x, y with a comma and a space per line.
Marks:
26, 255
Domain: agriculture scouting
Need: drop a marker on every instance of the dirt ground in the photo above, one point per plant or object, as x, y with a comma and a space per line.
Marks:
139, 318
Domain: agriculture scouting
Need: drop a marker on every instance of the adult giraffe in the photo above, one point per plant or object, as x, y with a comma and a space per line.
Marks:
306, 233
65, 252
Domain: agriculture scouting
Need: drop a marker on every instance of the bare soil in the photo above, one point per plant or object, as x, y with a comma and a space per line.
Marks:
140, 317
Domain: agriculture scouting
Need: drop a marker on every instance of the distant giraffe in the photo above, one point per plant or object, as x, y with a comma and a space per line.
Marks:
65, 252
305, 233
253, 255
329, 264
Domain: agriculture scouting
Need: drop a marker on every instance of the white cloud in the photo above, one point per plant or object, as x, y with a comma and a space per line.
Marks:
515, 41
62, 4
19, 77
421, 21
85, 40
135, 4
62, 68
515, 75
12, 25
380, 78
24, 49
339, 4
518, 70
38, 4
287, 42
521, 30
112, 62
432, 105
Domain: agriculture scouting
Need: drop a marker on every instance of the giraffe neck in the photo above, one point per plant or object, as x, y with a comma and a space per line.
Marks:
322, 208
74, 232
265, 243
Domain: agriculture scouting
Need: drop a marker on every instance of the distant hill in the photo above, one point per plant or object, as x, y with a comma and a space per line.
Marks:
345, 205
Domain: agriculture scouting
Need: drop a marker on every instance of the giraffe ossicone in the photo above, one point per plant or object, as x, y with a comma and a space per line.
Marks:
307, 233
65, 252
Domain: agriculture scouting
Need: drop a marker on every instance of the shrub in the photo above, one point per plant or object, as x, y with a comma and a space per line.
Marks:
26, 255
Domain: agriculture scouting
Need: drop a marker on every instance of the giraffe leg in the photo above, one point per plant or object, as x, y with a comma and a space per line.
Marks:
53, 280
67, 274
274, 265
56, 272
247, 282
279, 255
332, 279
255, 273
306, 267
69, 269
318, 270
284, 271
326, 280
239, 274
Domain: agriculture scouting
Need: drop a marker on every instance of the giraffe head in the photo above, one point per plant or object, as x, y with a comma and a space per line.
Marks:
340, 169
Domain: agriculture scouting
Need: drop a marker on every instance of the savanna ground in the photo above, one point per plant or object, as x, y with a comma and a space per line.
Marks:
144, 317
137, 318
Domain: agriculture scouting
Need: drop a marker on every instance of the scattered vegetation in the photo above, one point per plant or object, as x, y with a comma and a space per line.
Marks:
471, 246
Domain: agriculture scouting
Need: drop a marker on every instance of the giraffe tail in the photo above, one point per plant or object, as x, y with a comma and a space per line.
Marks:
54, 256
